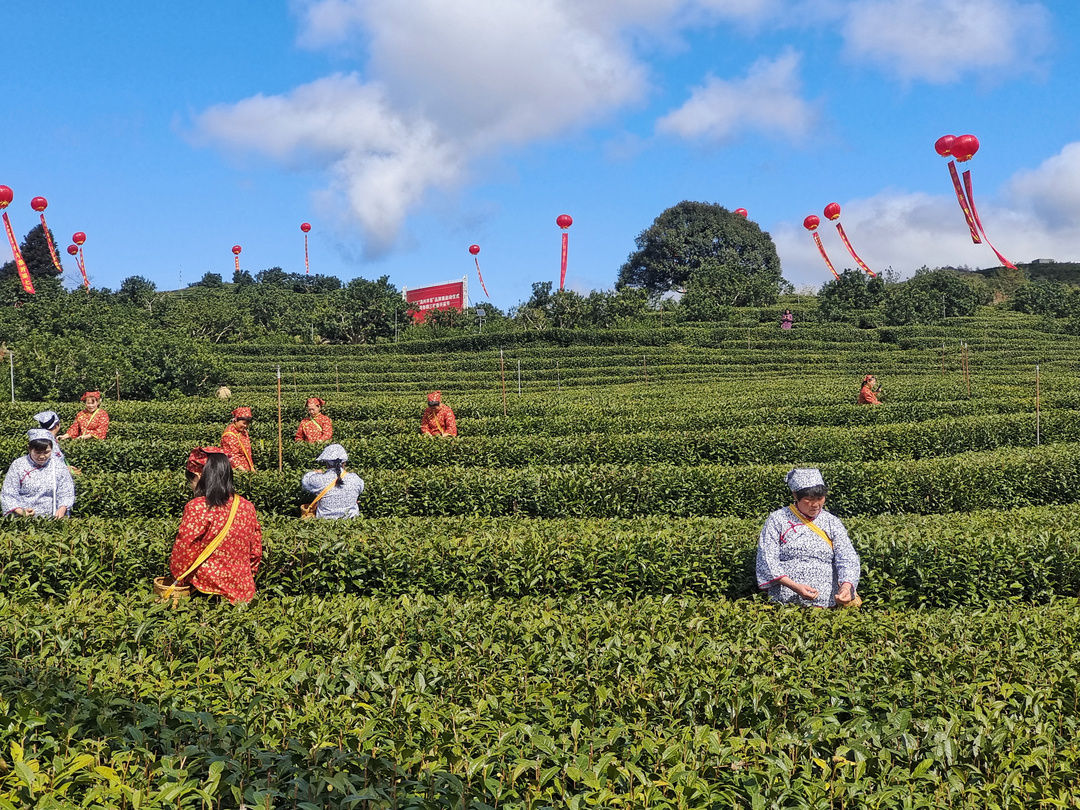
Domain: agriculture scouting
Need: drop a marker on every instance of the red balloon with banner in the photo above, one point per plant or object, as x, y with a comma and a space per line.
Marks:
832, 211
475, 251
79, 238
963, 148
39, 204
811, 224
236, 256
73, 250
306, 228
564, 221
742, 212
6, 197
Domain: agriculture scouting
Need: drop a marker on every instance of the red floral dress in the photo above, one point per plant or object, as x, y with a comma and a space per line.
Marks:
237, 447
95, 424
319, 429
230, 570
438, 420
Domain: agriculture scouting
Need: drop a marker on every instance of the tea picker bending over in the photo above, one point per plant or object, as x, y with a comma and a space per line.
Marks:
217, 514
38, 484
804, 555
336, 490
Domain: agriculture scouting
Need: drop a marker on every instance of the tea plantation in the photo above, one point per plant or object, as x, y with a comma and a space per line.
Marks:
558, 609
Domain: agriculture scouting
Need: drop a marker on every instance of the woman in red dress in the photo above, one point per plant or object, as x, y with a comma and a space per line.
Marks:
230, 570
237, 443
317, 427
91, 422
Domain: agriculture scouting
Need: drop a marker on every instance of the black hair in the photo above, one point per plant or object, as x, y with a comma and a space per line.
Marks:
49, 424
216, 484
816, 491
337, 465
40, 444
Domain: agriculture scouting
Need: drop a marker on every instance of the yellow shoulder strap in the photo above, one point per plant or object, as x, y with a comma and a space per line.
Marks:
211, 547
810, 525
326, 489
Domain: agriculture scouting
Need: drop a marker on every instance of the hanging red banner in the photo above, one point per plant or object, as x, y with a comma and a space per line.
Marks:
482, 285
20, 263
825, 256
962, 199
978, 222
82, 269
851, 250
305, 227
39, 204
562, 270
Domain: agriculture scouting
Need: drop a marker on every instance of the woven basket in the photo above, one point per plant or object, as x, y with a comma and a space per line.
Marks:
161, 584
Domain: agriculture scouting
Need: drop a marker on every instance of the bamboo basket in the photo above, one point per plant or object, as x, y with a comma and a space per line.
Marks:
161, 585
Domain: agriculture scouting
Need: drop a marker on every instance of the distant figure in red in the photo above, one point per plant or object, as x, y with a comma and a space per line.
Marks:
317, 427
230, 569
91, 422
787, 319
237, 443
438, 419
868, 393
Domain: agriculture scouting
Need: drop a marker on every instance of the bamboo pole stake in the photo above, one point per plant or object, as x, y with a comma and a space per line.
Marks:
644, 368
337, 377
943, 357
558, 376
118, 385
519, 377
11, 362
1038, 416
502, 374
279, 448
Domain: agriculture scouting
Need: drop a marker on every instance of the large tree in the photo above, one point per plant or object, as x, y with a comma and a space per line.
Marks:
708, 252
35, 251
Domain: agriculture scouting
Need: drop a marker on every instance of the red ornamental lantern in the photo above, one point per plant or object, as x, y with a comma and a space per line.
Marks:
79, 238
742, 212
474, 249
39, 204
832, 211
236, 256
305, 226
943, 145
963, 148
236, 249
6, 196
564, 221
811, 222
73, 250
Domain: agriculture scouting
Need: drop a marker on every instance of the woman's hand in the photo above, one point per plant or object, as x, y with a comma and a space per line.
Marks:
23, 512
844, 595
805, 591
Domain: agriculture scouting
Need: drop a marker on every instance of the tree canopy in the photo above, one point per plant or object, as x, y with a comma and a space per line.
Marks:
717, 257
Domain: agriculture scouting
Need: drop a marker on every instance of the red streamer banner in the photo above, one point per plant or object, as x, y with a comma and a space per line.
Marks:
562, 271
978, 222
237, 257
82, 269
825, 256
307, 266
20, 262
962, 199
52, 247
851, 250
482, 285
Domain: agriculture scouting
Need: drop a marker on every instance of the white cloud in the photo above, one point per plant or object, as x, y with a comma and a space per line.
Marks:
944, 41
1036, 216
767, 100
381, 162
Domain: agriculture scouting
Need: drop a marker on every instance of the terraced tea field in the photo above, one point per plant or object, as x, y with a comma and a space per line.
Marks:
557, 609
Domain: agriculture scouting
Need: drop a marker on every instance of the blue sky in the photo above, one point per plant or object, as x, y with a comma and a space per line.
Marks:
404, 132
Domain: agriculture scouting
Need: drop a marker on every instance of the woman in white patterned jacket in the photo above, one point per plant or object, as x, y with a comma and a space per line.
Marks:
38, 484
804, 555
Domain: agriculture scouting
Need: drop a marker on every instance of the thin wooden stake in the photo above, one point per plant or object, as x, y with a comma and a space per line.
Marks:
11, 362
1038, 416
943, 357
279, 448
644, 368
337, 377
118, 385
502, 374
558, 377
519, 377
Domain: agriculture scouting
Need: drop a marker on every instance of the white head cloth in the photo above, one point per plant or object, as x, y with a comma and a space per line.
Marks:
333, 452
804, 478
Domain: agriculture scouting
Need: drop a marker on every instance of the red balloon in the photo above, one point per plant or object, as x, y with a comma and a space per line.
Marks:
305, 226
474, 249
236, 249
832, 211
73, 249
39, 204
78, 237
6, 196
811, 222
965, 147
564, 221
742, 212
943, 145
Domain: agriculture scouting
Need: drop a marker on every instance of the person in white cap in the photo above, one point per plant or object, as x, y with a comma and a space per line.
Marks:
804, 554
37, 485
336, 490
50, 421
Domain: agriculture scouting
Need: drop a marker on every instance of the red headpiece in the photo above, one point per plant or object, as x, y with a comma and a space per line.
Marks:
242, 413
868, 378
435, 396
89, 394
196, 460
316, 400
